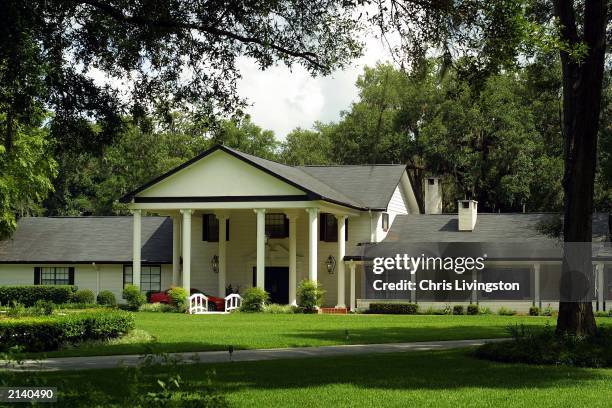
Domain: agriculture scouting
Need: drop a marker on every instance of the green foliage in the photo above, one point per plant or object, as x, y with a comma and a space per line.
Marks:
84, 296
178, 298
393, 308
26, 170
473, 309
458, 310
310, 295
485, 311
545, 347
307, 147
534, 311
157, 307
107, 298
134, 297
274, 308
548, 311
30, 294
504, 311
254, 300
50, 332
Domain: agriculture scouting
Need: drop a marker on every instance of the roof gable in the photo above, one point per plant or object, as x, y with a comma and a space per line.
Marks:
219, 174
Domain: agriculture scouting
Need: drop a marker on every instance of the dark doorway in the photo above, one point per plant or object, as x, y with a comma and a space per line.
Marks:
276, 283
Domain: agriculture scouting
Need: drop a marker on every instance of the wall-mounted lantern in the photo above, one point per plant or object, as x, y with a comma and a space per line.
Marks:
331, 264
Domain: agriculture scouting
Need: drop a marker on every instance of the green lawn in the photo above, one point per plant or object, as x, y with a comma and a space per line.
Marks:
180, 332
437, 379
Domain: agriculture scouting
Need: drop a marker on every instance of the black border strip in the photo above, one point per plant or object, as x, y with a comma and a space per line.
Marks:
217, 199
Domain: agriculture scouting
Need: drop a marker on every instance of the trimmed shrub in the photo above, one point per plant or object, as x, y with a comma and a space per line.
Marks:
547, 311
134, 297
534, 311
178, 298
28, 295
393, 308
157, 307
254, 300
473, 309
83, 296
49, 333
458, 309
274, 308
601, 313
44, 307
310, 295
485, 311
107, 298
504, 311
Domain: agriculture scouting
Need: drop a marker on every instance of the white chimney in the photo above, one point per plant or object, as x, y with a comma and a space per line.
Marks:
433, 196
467, 212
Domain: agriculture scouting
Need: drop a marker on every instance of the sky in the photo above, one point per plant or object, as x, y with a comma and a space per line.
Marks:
282, 99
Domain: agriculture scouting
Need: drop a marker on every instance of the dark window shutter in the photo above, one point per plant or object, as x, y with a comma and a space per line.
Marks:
227, 229
37, 275
205, 227
286, 227
346, 229
71, 275
322, 229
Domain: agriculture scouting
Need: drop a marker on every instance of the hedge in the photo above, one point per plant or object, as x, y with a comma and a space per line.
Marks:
49, 333
393, 308
30, 294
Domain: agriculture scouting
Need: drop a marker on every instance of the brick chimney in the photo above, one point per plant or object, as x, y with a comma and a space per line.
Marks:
467, 213
433, 196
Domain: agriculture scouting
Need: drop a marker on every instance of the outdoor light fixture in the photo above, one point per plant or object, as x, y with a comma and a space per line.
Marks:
214, 263
331, 264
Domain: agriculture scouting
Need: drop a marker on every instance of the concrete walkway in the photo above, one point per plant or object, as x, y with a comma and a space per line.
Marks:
97, 362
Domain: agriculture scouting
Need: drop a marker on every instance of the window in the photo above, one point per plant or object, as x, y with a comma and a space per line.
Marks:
150, 277
431, 181
54, 275
328, 226
210, 228
465, 204
277, 225
385, 222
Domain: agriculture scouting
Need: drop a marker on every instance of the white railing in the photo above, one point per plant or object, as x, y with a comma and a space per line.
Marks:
198, 304
232, 302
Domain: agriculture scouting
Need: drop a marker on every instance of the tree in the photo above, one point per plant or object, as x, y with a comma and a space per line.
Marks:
303, 147
582, 95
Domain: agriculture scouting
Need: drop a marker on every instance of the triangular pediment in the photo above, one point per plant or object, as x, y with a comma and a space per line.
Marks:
219, 174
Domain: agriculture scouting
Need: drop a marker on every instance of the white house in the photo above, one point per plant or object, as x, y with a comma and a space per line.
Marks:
226, 218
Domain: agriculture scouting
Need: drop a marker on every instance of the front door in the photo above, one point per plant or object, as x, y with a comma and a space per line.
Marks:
276, 283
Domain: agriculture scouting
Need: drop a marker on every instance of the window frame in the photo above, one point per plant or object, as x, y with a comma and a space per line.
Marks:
67, 277
210, 230
143, 288
284, 231
331, 234
385, 222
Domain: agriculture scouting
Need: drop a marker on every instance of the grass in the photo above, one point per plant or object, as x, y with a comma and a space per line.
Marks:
436, 378
173, 332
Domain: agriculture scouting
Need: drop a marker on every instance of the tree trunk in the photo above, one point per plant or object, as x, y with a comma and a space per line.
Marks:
582, 88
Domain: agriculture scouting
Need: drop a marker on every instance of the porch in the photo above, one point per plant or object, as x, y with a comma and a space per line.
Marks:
273, 246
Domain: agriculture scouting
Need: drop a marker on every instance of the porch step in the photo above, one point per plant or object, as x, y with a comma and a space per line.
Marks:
333, 310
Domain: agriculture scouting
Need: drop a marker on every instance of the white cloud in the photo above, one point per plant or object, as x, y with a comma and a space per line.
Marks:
282, 99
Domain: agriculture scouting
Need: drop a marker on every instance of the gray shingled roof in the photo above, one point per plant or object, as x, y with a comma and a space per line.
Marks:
86, 239
372, 185
503, 236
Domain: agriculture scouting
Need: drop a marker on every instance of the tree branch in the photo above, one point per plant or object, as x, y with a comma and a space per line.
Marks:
118, 15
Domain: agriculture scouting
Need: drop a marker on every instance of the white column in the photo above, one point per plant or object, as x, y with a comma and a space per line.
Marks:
186, 230
313, 241
341, 219
352, 300
599, 270
176, 249
292, 258
222, 217
537, 301
136, 247
261, 248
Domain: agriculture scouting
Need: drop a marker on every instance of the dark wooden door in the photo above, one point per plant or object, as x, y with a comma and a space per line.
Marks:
276, 283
